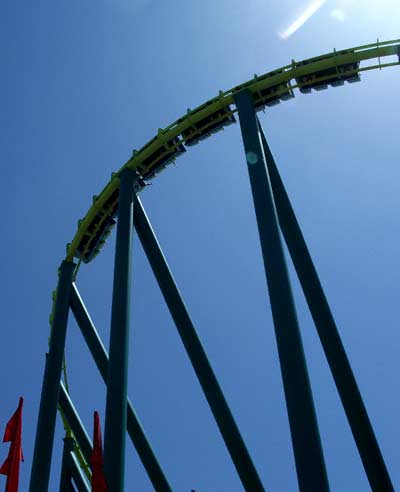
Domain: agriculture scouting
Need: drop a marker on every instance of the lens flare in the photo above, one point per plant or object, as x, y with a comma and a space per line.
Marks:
310, 10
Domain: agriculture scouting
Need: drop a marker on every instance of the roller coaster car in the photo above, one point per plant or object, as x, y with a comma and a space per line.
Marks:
101, 226
164, 154
270, 96
95, 237
333, 76
205, 127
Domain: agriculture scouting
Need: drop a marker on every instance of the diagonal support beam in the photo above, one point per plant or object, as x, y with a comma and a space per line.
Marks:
328, 333
212, 391
72, 416
308, 454
70, 469
134, 427
77, 474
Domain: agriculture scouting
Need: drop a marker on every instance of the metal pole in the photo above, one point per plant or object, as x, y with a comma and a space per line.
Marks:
335, 353
77, 474
306, 441
75, 423
41, 462
134, 427
115, 422
65, 476
209, 383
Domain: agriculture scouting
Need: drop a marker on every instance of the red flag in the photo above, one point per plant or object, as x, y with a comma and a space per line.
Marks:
13, 434
99, 483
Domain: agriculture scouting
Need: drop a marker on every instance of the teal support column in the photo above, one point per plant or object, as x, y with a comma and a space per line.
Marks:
309, 459
65, 476
328, 333
115, 421
42, 454
134, 427
197, 355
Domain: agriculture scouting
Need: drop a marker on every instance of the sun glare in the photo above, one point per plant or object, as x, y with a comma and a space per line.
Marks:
343, 10
309, 11
338, 14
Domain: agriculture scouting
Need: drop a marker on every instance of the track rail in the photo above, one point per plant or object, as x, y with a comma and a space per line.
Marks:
331, 69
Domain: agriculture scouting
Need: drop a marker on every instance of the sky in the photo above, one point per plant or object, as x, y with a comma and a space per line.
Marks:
83, 84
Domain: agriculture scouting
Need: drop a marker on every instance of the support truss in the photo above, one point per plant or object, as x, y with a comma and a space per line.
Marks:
274, 215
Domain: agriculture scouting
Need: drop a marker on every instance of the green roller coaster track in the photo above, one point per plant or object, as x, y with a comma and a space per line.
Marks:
267, 90
331, 69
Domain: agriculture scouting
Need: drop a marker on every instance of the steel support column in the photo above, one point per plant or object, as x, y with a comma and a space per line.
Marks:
65, 476
212, 391
328, 333
41, 462
306, 441
117, 377
135, 430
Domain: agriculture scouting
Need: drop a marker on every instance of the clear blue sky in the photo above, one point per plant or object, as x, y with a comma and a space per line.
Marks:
85, 82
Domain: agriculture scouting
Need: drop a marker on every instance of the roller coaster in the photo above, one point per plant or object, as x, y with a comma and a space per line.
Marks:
118, 204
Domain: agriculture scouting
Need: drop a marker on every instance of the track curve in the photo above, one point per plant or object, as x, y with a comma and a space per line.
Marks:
331, 69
